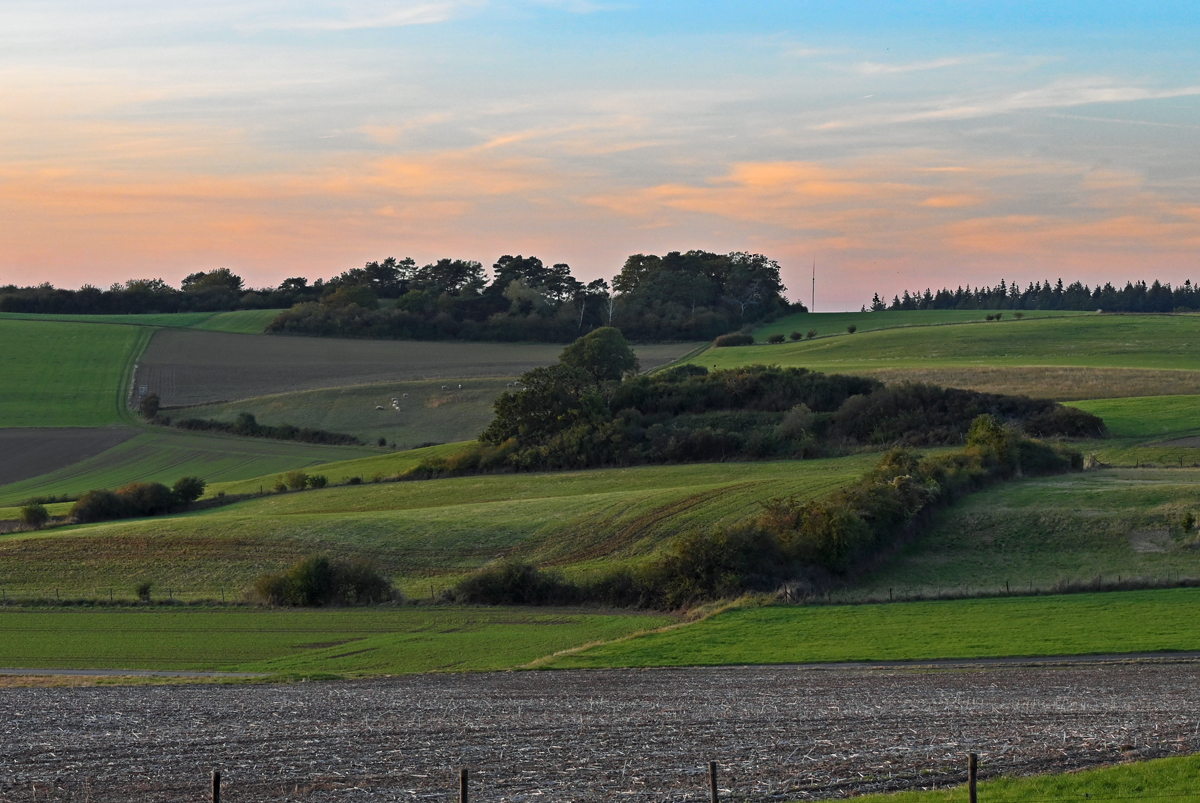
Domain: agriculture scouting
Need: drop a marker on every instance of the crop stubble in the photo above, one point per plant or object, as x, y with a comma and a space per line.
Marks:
590, 735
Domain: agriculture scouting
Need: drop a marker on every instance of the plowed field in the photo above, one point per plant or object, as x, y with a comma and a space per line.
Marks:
26, 453
597, 735
186, 367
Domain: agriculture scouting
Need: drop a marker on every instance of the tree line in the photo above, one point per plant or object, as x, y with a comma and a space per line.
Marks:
1133, 297
695, 295
679, 296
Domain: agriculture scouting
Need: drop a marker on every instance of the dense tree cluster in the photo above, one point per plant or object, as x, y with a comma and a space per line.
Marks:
680, 296
1133, 297
579, 414
318, 580
136, 499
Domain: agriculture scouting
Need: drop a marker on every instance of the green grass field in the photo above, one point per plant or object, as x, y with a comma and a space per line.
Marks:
1146, 417
416, 531
160, 455
1079, 624
1109, 523
1157, 781
1165, 342
66, 374
345, 641
428, 415
246, 321
828, 324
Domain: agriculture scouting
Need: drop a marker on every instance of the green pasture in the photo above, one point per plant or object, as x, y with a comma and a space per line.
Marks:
1147, 416
162, 455
1123, 341
345, 641
66, 374
1111, 523
828, 324
1078, 624
428, 414
419, 532
1156, 781
245, 321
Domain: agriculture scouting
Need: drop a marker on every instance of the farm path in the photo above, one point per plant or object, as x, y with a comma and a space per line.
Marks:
590, 735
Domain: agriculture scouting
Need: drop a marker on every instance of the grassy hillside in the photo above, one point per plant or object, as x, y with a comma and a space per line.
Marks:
1109, 523
1081, 624
1165, 342
353, 642
248, 321
835, 323
1145, 417
428, 414
413, 530
165, 456
65, 374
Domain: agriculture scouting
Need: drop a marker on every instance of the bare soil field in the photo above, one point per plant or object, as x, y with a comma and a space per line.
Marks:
31, 452
187, 367
590, 735
1059, 384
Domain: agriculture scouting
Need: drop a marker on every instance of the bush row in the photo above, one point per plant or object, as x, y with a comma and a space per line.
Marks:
792, 541
246, 425
135, 500
318, 580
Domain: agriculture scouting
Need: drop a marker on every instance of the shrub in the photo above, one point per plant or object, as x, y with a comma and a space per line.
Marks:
317, 580
811, 334
317, 481
1018, 315
296, 480
999, 315
142, 590
34, 516
796, 336
188, 489
724, 341
145, 498
512, 582
381, 442
851, 329
775, 339
97, 505
149, 406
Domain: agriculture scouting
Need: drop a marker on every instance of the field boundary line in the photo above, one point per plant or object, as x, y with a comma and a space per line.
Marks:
136, 673
129, 373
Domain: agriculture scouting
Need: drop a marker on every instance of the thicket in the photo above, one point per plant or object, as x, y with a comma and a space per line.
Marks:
135, 500
566, 417
809, 543
247, 425
318, 580
1133, 297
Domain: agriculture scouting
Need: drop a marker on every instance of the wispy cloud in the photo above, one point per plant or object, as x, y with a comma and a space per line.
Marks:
877, 68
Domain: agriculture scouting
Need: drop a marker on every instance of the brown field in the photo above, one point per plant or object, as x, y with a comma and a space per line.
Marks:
643, 735
1060, 384
188, 367
31, 452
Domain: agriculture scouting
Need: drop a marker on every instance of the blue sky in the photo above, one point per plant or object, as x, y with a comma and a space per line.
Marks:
904, 145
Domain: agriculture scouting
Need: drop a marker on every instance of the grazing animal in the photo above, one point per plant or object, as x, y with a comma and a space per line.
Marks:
406, 395
445, 387
379, 407
460, 387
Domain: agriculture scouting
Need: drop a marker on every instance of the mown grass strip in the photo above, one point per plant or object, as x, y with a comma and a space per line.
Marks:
1083, 624
361, 641
1157, 781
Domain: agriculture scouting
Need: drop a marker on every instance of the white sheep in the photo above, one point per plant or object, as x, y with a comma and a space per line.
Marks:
405, 396
445, 387
379, 407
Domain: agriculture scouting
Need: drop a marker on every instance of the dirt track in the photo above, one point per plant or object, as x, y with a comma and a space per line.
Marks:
640, 735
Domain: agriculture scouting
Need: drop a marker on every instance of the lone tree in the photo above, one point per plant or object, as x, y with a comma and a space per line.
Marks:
187, 490
603, 353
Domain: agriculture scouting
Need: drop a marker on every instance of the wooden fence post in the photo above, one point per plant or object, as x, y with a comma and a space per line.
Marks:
462, 785
216, 786
972, 776
712, 782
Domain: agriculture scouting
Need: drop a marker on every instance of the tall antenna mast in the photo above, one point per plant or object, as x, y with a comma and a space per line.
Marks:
813, 307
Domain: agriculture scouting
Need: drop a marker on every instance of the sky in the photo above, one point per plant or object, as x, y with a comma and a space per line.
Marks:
899, 145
